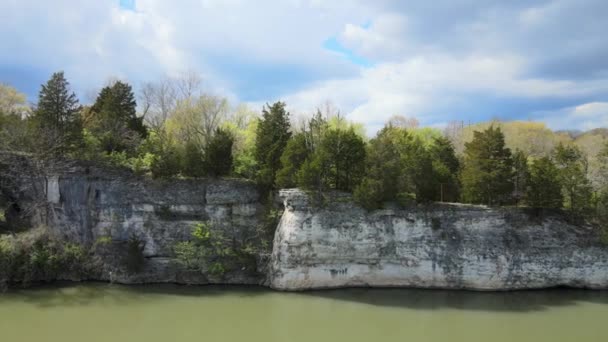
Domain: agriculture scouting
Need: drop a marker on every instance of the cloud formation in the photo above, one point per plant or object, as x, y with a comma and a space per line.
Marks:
439, 61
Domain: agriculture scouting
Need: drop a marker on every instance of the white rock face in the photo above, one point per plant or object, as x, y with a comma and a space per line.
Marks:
443, 246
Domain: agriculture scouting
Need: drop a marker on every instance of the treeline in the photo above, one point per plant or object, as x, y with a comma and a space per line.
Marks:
182, 132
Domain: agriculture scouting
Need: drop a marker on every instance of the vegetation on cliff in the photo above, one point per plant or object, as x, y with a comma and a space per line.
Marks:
179, 131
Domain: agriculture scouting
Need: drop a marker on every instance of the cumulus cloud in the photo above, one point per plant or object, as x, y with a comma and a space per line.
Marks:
582, 117
436, 60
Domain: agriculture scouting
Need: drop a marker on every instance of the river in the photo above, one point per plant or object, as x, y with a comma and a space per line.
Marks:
103, 312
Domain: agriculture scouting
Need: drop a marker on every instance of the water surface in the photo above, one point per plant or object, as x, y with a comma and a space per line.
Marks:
102, 312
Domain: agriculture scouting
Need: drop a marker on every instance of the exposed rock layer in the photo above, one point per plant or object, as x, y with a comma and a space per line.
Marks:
338, 244
330, 244
88, 205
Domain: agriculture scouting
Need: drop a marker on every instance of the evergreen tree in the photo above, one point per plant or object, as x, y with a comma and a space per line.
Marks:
57, 117
487, 175
113, 118
543, 188
218, 154
337, 163
398, 168
382, 181
576, 188
272, 135
193, 161
520, 175
295, 155
445, 170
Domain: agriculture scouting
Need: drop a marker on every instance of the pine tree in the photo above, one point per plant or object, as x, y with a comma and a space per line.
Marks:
543, 188
57, 117
295, 155
576, 188
272, 135
114, 119
520, 175
218, 154
445, 170
487, 175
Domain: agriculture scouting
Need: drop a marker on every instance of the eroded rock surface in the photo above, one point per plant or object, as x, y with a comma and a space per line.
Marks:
88, 205
337, 244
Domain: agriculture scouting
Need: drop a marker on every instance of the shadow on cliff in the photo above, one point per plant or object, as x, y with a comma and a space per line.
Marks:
421, 299
71, 294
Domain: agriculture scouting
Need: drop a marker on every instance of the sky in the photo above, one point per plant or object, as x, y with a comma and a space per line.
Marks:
438, 61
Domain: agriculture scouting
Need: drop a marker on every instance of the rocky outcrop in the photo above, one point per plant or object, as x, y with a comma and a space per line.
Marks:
326, 243
89, 205
334, 243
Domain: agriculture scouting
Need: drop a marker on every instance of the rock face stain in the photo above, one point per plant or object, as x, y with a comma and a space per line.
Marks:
438, 246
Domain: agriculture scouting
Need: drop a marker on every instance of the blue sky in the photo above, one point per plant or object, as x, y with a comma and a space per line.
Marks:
438, 61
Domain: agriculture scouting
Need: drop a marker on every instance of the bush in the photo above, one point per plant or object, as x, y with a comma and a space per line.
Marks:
212, 252
36, 256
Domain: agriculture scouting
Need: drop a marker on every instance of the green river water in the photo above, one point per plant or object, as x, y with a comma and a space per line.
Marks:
102, 312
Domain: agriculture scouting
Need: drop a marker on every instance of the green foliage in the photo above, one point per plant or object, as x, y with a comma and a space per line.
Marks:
446, 168
487, 175
113, 119
209, 251
272, 135
370, 193
193, 163
543, 186
218, 154
520, 175
35, 256
166, 161
337, 163
57, 118
295, 155
401, 168
576, 188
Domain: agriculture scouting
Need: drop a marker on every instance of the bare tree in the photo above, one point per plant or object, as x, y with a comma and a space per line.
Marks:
403, 122
158, 100
188, 84
196, 119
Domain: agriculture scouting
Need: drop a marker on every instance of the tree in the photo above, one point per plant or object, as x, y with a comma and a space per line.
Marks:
543, 188
218, 154
193, 160
520, 175
295, 155
382, 181
445, 170
398, 168
13, 125
345, 153
57, 117
12, 102
272, 135
113, 118
487, 175
572, 166
196, 119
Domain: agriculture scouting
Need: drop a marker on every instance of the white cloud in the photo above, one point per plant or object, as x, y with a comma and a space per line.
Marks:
582, 117
426, 87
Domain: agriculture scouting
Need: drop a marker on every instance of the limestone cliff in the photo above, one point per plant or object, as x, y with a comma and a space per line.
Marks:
337, 244
88, 205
